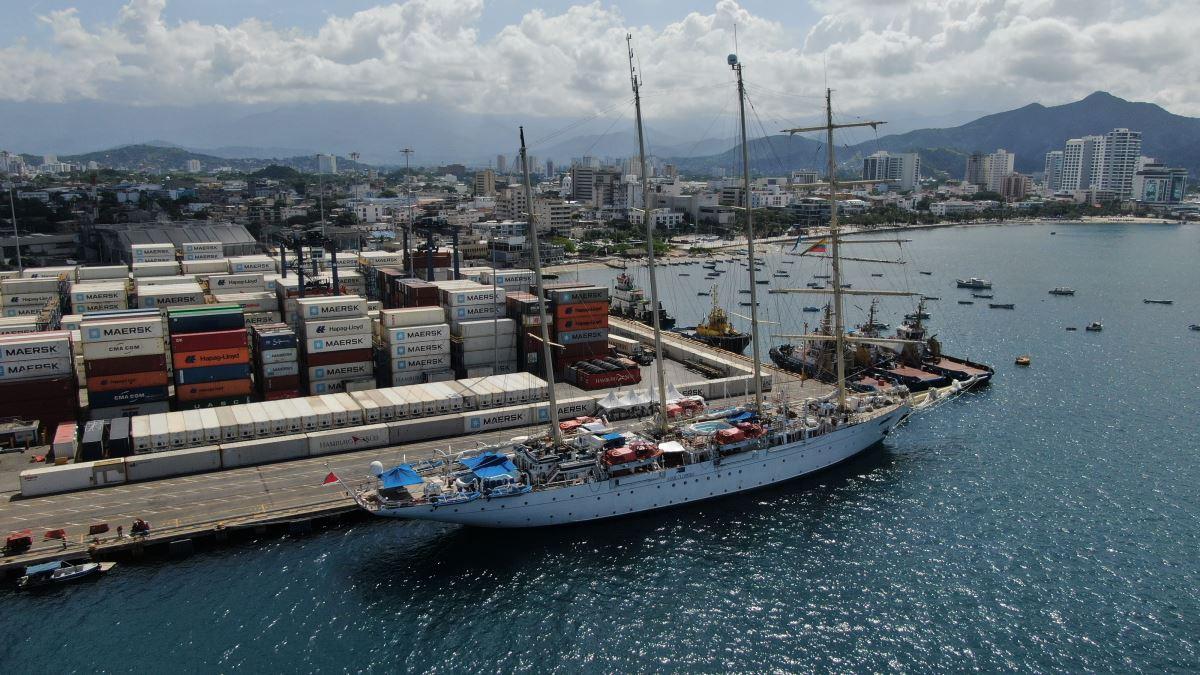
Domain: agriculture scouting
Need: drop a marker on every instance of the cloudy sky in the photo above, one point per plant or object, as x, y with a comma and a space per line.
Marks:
917, 58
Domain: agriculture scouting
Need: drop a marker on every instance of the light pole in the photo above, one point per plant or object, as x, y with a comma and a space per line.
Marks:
12, 209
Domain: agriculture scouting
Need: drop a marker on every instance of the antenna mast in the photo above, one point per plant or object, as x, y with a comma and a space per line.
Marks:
532, 237
758, 398
649, 223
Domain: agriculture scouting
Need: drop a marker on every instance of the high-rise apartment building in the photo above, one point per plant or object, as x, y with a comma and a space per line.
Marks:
900, 171
485, 183
1053, 171
326, 164
988, 170
501, 164
1119, 156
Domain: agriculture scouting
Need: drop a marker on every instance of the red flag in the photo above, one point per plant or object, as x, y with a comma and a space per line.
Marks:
331, 478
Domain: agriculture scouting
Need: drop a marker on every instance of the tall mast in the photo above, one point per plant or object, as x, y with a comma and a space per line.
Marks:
532, 237
758, 399
649, 223
839, 326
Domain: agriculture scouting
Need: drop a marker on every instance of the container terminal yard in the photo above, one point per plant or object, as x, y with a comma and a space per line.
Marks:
210, 395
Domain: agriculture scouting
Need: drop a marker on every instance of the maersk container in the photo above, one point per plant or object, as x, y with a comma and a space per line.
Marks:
457, 315
411, 316
173, 463
480, 295
60, 366
420, 364
263, 450
211, 424
132, 328
228, 424
55, 479
154, 269
337, 343
412, 350
440, 331
331, 307
160, 432
489, 342
348, 440
499, 418
243, 264
245, 421
340, 371
270, 356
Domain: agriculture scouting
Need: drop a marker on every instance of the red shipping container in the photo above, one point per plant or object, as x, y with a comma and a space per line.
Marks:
347, 356
280, 383
611, 378
581, 309
126, 364
36, 389
154, 378
218, 389
217, 339
282, 394
230, 356
581, 323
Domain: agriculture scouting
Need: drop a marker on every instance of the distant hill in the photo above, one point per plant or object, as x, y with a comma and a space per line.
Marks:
160, 156
1029, 132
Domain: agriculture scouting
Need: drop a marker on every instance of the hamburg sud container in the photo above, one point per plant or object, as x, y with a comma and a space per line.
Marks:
276, 361
124, 358
37, 378
338, 347
580, 323
415, 342
211, 356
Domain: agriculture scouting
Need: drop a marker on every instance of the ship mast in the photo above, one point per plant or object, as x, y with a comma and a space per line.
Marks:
649, 223
758, 399
547, 352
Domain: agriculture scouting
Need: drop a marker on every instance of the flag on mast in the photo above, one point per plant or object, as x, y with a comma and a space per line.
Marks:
331, 478
818, 247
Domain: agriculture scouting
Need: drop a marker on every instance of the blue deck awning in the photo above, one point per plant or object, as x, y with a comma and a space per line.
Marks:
489, 465
400, 476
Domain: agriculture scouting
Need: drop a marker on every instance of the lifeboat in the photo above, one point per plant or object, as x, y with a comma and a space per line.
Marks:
617, 456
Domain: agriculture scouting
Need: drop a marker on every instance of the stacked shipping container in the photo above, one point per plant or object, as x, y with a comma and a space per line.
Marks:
338, 349
37, 378
211, 356
277, 361
124, 359
414, 343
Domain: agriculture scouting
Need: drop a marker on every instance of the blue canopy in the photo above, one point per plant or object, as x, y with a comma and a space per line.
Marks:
44, 567
612, 437
489, 465
744, 417
400, 476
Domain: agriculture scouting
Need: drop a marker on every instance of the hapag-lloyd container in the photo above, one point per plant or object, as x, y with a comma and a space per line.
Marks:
211, 357
337, 327
154, 378
226, 283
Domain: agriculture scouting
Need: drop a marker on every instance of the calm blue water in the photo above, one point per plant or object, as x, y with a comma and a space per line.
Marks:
1049, 523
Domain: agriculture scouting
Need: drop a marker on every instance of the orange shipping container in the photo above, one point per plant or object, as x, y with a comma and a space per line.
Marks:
580, 310
212, 357
581, 323
155, 378
219, 389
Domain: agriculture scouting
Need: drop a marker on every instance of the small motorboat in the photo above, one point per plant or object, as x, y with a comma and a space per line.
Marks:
1072, 328
744, 290
1094, 326
1023, 360
1158, 302
703, 293
1195, 326
1062, 290
1001, 305
966, 302
876, 275
762, 281
821, 276
928, 274
917, 316
684, 274
789, 262
749, 304
930, 297
982, 295
813, 284
1053, 233
817, 309
60, 572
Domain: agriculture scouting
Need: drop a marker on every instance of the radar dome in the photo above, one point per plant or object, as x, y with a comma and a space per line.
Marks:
376, 468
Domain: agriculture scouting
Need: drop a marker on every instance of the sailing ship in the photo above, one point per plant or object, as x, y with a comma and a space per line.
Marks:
716, 329
585, 470
629, 301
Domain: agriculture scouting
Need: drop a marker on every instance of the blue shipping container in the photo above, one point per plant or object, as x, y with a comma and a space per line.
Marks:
269, 342
109, 399
238, 371
203, 323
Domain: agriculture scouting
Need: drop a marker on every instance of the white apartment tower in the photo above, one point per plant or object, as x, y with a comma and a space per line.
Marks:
1054, 168
901, 171
1119, 156
326, 164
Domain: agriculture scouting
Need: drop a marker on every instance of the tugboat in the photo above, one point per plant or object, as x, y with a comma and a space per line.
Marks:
716, 330
629, 301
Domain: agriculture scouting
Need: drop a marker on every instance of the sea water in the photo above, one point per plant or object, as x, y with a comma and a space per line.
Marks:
1050, 522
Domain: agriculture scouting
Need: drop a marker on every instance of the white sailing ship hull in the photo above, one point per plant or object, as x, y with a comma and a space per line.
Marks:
667, 488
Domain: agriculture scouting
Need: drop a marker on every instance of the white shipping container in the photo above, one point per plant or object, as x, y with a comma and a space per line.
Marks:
98, 291
252, 263
354, 413
440, 331
245, 421
474, 344
420, 364
102, 272
337, 343
49, 345
202, 250
173, 463
348, 440
195, 427
105, 330
387, 407
411, 316
263, 450
252, 301
30, 310
278, 355
440, 376
367, 405
27, 299
177, 429
280, 369
174, 280
321, 412
500, 418
61, 272
92, 307
341, 371
456, 315
336, 413
221, 283
18, 286
337, 327
480, 295
212, 425
308, 416
201, 268
473, 329
93, 351
409, 377
410, 350
160, 436
335, 307
487, 357
154, 269
55, 479
171, 296
228, 423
